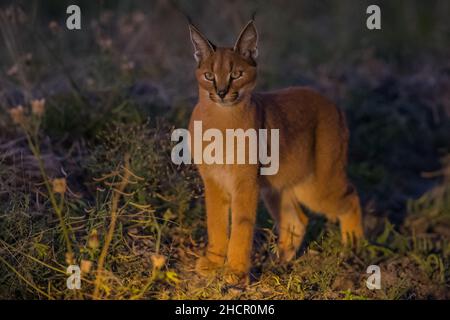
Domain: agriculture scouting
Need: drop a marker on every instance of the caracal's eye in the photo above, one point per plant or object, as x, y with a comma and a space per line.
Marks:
209, 76
236, 74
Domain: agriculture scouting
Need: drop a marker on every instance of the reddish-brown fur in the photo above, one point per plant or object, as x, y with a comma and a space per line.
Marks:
313, 157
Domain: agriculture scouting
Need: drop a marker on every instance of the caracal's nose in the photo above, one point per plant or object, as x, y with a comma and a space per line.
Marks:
222, 93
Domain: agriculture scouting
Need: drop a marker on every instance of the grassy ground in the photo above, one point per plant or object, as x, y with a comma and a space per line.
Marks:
86, 176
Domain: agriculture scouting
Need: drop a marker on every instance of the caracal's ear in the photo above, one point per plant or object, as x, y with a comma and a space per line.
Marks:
247, 42
203, 48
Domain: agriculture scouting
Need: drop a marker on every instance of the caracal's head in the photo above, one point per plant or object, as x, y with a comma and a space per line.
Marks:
226, 76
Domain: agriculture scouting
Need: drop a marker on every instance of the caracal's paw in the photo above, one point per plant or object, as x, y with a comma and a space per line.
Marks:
236, 277
206, 267
352, 238
287, 254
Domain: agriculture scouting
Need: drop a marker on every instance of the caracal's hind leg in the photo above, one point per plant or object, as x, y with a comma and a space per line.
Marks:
350, 217
292, 226
290, 220
340, 202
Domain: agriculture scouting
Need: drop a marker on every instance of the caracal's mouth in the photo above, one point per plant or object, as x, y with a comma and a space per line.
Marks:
228, 101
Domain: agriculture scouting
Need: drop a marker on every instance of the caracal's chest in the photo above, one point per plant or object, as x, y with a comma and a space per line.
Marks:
214, 124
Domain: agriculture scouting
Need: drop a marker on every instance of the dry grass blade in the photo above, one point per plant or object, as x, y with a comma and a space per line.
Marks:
114, 212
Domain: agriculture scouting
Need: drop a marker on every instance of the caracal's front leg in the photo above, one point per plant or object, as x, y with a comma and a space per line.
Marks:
243, 214
217, 217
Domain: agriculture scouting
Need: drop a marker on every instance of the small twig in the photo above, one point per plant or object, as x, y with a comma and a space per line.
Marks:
57, 207
114, 212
